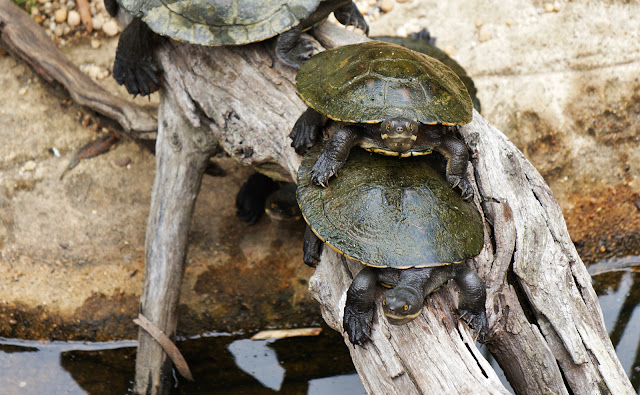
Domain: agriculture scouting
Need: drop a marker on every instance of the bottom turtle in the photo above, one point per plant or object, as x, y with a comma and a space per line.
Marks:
403, 221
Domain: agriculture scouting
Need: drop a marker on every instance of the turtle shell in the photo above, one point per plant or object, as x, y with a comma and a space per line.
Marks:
386, 212
220, 22
419, 45
375, 80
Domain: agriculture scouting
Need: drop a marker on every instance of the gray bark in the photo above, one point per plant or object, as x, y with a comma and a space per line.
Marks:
546, 327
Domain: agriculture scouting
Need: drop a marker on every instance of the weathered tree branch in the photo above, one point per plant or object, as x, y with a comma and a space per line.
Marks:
27, 40
546, 328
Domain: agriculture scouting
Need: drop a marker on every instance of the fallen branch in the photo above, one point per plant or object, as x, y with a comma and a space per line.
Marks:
26, 40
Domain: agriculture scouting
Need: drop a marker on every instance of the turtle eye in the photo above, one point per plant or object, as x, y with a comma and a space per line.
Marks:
388, 127
384, 302
405, 307
410, 126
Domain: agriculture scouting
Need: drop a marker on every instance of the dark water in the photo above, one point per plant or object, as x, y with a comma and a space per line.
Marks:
232, 364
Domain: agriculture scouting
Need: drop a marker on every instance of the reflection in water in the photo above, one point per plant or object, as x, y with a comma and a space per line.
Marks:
617, 282
220, 363
259, 360
229, 364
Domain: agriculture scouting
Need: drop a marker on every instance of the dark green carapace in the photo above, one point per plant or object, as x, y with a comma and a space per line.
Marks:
217, 22
390, 212
423, 46
373, 81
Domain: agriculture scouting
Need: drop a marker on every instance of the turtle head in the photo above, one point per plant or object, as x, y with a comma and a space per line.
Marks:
401, 305
399, 134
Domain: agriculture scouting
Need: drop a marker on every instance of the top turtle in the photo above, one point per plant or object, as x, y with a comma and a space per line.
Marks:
388, 99
218, 22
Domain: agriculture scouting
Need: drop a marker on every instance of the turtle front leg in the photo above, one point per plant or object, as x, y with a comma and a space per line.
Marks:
334, 155
135, 67
307, 131
311, 248
349, 15
472, 299
292, 49
361, 302
455, 151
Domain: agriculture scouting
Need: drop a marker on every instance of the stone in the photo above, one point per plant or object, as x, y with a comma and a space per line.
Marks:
386, 5
73, 18
110, 28
60, 15
97, 21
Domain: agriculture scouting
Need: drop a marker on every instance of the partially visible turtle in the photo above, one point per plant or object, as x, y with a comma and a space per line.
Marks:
401, 219
423, 42
261, 194
387, 99
217, 22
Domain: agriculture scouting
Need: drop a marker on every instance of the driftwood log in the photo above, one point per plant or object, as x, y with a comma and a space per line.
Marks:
23, 37
546, 327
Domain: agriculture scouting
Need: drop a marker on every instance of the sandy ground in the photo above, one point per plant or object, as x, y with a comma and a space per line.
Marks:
562, 84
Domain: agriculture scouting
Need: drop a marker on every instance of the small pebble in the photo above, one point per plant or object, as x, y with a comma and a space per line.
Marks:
509, 22
548, 7
97, 21
110, 27
60, 15
30, 165
484, 34
386, 5
603, 249
449, 50
403, 1
479, 23
123, 161
73, 18
95, 44
22, 91
58, 30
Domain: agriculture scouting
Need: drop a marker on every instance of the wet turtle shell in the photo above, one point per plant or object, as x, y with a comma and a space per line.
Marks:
386, 212
423, 46
220, 22
375, 80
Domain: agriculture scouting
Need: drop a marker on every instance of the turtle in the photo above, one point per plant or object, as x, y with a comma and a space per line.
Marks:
409, 229
217, 23
387, 99
423, 42
262, 194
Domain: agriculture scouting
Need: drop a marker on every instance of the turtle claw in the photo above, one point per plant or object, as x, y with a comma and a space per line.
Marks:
349, 15
466, 191
322, 171
358, 325
477, 321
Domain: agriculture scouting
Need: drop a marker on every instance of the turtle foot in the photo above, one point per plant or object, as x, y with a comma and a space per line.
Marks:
250, 200
306, 132
349, 15
466, 191
304, 48
478, 321
357, 324
322, 170
142, 78
134, 66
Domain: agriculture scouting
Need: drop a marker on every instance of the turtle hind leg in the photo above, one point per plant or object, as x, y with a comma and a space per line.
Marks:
472, 300
311, 248
349, 15
135, 67
250, 200
307, 131
358, 310
293, 49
